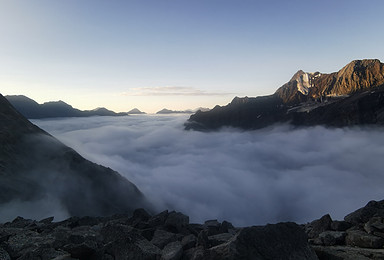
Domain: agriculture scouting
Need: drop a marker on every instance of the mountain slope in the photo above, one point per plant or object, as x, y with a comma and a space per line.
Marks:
37, 171
31, 109
351, 96
356, 76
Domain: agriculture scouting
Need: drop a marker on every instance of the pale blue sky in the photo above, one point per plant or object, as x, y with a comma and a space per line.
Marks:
177, 54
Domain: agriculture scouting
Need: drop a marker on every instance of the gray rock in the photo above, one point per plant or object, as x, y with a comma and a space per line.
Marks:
363, 215
159, 219
347, 253
362, 239
219, 239
140, 215
318, 226
212, 223
331, 238
162, 238
226, 227
213, 227
20, 222
133, 246
202, 239
188, 241
196, 253
176, 221
375, 224
4, 255
340, 225
172, 251
279, 242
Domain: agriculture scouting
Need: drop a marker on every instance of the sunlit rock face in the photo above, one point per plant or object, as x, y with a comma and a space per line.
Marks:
40, 176
351, 96
356, 76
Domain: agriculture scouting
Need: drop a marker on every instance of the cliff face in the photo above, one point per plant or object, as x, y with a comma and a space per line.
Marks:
38, 171
356, 76
351, 96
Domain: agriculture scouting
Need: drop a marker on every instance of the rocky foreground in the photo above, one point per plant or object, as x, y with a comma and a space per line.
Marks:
169, 235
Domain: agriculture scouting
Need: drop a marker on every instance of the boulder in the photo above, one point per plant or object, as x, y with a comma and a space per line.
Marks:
279, 241
362, 239
374, 225
4, 254
162, 238
316, 227
159, 219
340, 225
176, 221
363, 215
218, 239
202, 239
196, 253
172, 251
331, 238
347, 253
188, 241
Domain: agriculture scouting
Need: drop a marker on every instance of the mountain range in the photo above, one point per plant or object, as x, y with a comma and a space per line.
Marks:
352, 96
32, 110
39, 172
188, 111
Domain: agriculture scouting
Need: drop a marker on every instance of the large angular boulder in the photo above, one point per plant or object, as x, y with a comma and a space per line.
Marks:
362, 239
279, 242
364, 214
316, 227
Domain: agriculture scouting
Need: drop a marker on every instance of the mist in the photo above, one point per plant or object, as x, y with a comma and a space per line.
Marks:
246, 177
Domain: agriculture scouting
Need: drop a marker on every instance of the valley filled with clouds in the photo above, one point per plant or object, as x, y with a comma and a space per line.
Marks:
246, 177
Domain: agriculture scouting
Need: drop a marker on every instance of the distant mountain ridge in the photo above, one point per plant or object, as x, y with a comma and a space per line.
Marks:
38, 170
135, 111
188, 111
352, 96
32, 110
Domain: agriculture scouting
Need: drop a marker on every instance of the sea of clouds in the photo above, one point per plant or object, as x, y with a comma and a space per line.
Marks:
246, 177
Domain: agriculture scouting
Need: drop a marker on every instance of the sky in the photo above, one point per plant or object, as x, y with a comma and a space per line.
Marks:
176, 54
275, 174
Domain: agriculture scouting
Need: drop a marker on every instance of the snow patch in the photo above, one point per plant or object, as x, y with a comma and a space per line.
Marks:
305, 81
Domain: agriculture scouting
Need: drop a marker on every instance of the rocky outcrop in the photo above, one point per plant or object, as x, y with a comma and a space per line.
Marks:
352, 96
38, 173
167, 236
359, 236
170, 235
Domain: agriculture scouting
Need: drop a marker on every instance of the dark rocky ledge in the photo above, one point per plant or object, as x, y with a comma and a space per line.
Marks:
169, 235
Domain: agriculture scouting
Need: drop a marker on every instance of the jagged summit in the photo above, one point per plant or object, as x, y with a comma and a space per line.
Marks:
352, 96
355, 76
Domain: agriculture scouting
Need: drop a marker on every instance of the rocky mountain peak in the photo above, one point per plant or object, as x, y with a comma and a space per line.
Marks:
356, 76
239, 100
351, 96
359, 65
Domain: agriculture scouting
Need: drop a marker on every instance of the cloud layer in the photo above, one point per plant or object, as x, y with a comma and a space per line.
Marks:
256, 177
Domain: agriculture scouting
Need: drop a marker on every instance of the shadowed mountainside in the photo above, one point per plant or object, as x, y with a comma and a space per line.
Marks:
352, 96
38, 170
32, 110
